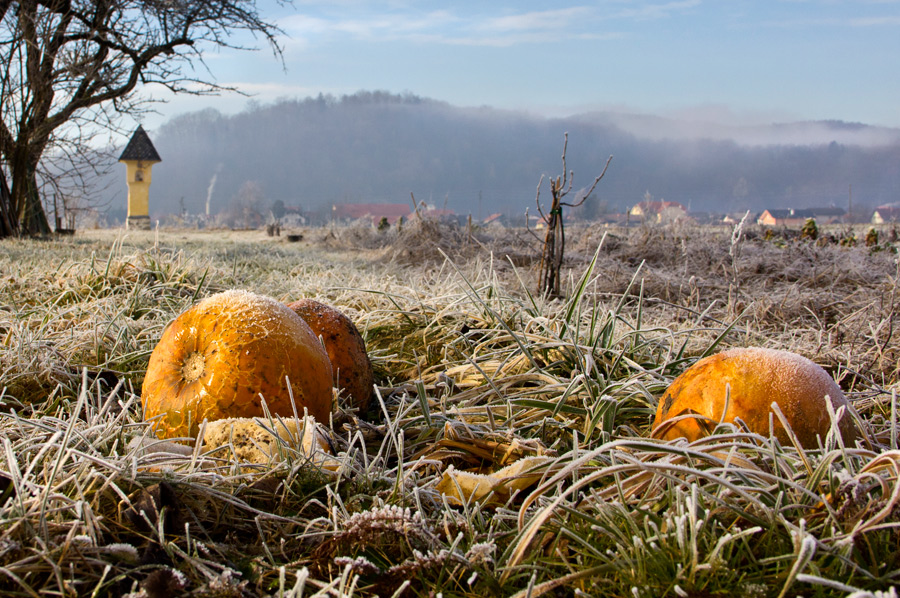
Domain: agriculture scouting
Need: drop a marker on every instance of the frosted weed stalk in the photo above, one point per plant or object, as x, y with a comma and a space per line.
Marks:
734, 251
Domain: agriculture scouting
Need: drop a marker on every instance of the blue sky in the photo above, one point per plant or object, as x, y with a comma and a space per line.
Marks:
730, 61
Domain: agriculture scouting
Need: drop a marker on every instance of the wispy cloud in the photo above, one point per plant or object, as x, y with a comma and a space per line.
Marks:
383, 26
537, 20
835, 13
858, 22
875, 21
484, 26
270, 91
507, 40
395, 26
304, 25
657, 10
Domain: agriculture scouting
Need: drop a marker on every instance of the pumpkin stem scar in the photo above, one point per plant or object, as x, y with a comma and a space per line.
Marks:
193, 366
669, 399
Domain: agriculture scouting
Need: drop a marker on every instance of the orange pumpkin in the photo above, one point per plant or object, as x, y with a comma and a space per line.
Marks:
217, 359
345, 347
756, 378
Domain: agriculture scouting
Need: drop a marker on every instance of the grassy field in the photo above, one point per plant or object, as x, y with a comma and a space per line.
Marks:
475, 371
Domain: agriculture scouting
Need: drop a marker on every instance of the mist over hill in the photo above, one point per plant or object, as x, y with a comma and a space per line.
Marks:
379, 147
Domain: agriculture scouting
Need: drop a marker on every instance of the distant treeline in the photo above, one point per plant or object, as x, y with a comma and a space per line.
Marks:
379, 147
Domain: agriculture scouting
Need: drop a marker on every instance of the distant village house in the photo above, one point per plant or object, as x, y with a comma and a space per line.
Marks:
886, 214
736, 217
497, 219
660, 212
798, 217
292, 216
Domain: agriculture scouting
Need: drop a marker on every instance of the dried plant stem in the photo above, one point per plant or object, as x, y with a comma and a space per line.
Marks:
554, 244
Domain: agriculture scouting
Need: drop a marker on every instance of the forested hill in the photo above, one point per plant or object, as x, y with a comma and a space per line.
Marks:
378, 147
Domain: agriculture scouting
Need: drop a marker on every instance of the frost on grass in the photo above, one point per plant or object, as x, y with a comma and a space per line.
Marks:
473, 371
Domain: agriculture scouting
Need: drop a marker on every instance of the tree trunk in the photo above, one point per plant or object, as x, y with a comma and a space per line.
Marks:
554, 247
24, 200
8, 219
34, 220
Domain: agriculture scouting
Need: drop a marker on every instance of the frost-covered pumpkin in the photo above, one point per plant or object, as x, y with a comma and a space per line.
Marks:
217, 359
756, 378
346, 349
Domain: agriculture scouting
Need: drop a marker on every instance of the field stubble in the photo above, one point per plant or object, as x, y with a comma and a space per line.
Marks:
474, 373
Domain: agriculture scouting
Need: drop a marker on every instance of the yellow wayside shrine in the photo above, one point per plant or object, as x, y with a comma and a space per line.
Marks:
139, 157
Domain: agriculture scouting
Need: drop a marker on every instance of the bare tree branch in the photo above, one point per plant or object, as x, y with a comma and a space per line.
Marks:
537, 198
591, 189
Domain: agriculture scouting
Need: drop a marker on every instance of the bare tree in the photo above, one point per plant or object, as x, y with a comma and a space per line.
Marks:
72, 68
554, 243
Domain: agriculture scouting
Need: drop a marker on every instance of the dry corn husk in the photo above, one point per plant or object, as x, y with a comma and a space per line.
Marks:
256, 441
259, 440
461, 487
